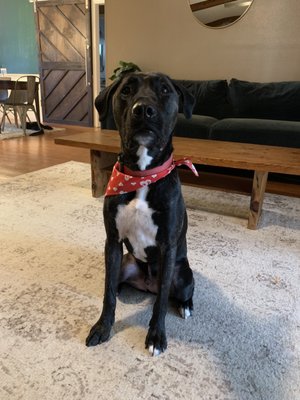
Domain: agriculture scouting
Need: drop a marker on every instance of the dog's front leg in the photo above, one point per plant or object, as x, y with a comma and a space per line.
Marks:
101, 330
156, 340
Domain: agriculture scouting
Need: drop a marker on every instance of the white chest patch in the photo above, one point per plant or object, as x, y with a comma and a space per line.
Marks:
144, 158
134, 222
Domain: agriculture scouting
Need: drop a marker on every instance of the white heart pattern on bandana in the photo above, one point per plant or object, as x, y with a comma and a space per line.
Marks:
146, 182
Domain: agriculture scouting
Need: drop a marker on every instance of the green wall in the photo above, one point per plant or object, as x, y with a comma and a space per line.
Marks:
18, 47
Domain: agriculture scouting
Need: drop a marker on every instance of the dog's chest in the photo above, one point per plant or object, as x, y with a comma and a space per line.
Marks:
134, 222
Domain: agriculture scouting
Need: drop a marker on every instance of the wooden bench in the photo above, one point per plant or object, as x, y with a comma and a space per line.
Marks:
104, 145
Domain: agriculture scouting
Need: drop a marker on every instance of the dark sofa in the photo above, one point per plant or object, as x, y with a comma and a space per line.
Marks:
241, 111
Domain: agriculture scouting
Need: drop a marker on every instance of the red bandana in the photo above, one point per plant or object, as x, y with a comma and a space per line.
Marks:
130, 181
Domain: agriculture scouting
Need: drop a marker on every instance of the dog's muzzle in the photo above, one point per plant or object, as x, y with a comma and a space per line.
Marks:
144, 118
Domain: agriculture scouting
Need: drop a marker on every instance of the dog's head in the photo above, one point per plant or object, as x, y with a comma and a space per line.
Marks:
145, 108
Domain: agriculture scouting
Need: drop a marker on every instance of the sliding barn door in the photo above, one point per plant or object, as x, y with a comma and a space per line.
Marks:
64, 32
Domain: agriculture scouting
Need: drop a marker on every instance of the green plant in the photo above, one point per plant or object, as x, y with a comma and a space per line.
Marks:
123, 68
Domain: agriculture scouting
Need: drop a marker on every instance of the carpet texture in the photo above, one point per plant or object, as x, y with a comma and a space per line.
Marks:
242, 343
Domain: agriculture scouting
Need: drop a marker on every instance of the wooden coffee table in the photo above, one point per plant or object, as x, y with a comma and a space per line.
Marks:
104, 145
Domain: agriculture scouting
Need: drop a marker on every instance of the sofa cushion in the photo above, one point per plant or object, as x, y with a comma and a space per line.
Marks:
211, 97
258, 131
196, 127
275, 100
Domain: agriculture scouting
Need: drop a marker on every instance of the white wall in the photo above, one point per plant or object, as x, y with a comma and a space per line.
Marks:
163, 35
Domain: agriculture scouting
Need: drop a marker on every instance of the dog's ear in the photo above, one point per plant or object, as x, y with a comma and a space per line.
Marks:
104, 98
186, 98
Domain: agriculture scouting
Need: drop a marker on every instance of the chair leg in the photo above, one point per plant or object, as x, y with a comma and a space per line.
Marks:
3, 118
37, 120
15, 111
5, 114
2, 122
22, 115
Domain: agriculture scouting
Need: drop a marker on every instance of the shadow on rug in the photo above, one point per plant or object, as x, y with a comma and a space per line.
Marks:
241, 344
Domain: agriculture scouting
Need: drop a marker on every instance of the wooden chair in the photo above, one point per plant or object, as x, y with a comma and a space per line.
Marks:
21, 100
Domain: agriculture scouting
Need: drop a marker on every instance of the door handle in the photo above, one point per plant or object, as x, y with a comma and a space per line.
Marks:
87, 47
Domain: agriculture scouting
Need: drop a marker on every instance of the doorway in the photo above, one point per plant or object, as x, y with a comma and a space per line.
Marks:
64, 40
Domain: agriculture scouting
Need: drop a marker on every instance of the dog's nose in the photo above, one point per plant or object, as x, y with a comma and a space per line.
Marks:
142, 110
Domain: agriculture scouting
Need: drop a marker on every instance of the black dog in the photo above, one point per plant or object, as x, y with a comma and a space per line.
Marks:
150, 219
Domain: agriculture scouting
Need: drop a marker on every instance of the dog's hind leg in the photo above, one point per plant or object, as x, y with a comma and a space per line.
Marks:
183, 288
129, 270
137, 274
131, 273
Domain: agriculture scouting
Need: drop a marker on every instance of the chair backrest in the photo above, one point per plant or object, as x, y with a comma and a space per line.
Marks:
24, 96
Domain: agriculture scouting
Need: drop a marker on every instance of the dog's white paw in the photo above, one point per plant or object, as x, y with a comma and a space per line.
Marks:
153, 351
185, 312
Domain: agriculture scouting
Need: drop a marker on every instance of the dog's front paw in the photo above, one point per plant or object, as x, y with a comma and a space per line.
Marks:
156, 341
98, 334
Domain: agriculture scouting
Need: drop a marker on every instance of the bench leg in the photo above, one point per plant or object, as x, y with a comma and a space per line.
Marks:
257, 198
100, 177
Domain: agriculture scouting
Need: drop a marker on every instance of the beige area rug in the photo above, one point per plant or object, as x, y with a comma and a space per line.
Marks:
12, 132
242, 343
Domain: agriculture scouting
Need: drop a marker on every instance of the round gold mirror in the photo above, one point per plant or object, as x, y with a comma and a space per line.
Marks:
219, 13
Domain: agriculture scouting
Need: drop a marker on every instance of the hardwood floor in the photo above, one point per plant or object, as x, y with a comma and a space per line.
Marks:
30, 153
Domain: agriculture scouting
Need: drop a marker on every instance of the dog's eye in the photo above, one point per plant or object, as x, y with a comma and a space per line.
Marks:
126, 90
164, 89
